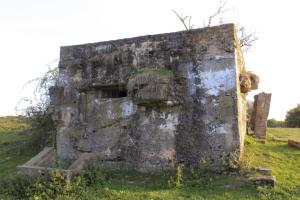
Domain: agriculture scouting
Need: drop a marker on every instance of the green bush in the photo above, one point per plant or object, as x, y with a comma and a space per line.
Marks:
93, 174
19, 186
56, 186
42, 130
273, 123
293, 117
52, 185
176, 182
249, 124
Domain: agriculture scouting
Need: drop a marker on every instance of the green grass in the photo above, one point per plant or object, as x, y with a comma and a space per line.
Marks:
13, 149
281, 158
283, 134
277, 155
13, 152
155, 186
12, 123
273, 153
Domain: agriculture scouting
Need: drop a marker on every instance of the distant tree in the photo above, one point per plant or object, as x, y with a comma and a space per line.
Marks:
249, 115
292, 118
273, 123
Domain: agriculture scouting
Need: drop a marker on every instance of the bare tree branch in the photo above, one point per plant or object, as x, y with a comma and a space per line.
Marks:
246, 39
41, 89
183, 19
190, 26
219, 11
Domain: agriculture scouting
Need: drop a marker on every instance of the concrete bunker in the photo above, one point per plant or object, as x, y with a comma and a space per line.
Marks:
153, 102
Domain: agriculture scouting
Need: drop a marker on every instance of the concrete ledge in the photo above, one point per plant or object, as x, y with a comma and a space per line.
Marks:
41, 163
264, 180
47, 152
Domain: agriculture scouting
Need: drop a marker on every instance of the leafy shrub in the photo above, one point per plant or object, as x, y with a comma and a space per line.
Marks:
42, 131
93, 174
273, 123
293, 117
19, 186
55, 185
231, 160
52, 185
249, 124
177, 182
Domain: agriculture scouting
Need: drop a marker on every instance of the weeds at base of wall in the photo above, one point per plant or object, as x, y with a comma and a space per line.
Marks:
51, 185
177, 182
231, 160
94, 174
229, 163
18, 185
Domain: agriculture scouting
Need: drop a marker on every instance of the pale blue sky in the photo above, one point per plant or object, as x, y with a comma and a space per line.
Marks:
31, 32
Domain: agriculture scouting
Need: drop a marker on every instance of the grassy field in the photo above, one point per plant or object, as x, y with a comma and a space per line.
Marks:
273, 153
11, 123
13, 150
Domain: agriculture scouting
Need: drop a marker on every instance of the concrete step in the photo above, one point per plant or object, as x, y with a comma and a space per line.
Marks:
37, 160
82, 160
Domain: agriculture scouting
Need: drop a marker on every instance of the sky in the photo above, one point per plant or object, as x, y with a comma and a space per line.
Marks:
32, 31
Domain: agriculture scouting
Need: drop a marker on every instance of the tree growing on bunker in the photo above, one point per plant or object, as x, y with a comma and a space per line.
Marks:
42, 130
247, 39
187, 25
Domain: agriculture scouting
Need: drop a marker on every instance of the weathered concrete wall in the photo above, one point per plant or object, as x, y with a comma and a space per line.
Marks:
152, 102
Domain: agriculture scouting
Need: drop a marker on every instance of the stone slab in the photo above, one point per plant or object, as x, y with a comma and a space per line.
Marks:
294, 143
264, 180
260, 114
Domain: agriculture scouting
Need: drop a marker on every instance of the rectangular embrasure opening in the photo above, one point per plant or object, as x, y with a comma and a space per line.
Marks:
113, 92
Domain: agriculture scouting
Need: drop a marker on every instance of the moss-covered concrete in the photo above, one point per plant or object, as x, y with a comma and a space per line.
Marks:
153, 102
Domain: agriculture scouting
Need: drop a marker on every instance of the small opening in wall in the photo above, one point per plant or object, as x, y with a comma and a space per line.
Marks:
113, 92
